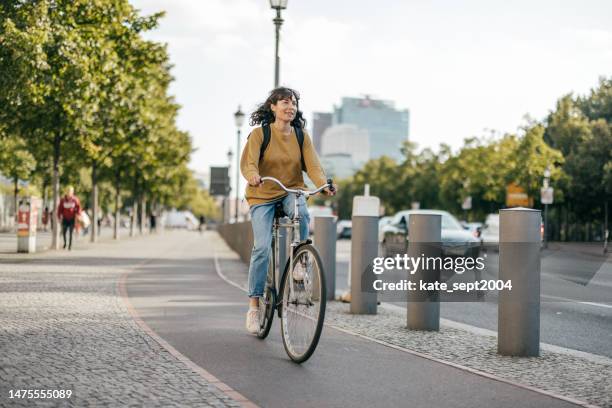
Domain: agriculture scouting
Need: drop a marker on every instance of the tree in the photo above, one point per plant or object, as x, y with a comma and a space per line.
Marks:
16, 162
50, 92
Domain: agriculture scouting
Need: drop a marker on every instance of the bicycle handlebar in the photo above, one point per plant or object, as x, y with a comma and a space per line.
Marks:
329, 184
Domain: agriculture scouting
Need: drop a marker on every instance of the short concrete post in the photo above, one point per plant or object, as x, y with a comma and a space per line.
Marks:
325, 241
424, 240
364, 248
519, 262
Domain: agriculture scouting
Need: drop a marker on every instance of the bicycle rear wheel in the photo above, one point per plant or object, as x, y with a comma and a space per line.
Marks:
303, 304
267, 303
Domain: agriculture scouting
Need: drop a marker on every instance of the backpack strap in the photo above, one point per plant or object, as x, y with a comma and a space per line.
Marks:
267, 135
299, 133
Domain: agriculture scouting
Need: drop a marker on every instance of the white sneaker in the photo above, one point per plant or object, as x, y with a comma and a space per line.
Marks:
252, 321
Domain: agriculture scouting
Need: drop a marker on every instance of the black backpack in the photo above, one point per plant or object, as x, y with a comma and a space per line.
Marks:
267, 135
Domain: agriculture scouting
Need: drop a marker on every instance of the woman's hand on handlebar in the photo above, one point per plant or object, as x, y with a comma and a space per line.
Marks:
331, 191
255, 180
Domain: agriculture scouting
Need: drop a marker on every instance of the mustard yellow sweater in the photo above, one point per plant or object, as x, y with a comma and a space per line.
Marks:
282, 161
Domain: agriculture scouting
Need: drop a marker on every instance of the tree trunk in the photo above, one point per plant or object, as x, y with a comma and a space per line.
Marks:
117, 211
94, 203
605, 228
15, 193
134, 218
56, 193
143, 214
141, 207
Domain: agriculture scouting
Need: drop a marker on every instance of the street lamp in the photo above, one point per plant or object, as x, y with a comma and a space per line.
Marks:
226, 210
277, 5
546, 200
239, 118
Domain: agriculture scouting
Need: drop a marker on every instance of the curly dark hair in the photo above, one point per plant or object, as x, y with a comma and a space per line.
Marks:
263, 115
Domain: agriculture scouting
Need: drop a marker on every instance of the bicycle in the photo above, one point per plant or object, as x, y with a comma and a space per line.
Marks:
302, 294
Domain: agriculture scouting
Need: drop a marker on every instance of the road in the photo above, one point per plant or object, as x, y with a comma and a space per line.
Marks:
183, 299
576, 308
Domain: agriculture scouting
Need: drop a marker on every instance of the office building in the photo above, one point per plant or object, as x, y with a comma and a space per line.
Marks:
388, 127
320, 122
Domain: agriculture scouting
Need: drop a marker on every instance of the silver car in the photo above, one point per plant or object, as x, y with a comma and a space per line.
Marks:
456, 240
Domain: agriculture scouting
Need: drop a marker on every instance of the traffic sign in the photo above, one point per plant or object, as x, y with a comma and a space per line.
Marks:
546, 195
219, 181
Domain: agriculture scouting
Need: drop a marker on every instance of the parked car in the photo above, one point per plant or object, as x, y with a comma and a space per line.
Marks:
180, 219
381, 223
490, 231
456, 241
344, 228
475, 228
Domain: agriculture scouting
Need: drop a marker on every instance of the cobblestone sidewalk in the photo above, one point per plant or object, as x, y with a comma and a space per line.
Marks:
63, 326
584, 379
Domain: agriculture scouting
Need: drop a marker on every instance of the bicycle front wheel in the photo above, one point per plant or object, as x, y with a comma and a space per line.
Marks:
303, 304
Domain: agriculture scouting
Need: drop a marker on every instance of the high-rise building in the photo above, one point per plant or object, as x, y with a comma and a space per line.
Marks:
344, 150
388, 127
347, 139
320, 122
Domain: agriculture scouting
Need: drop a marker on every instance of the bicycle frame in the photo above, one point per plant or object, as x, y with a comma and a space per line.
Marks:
294, 227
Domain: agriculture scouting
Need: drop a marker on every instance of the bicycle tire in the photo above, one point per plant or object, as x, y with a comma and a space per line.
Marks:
267, 303
290, 310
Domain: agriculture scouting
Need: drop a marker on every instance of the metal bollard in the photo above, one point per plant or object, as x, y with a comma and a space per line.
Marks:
519, 261
325, 241
424, 238
364, 248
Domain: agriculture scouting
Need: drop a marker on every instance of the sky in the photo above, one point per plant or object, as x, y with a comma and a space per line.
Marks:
462, 68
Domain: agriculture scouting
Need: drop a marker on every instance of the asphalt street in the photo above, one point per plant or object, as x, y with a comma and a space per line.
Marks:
183, 300
576, 299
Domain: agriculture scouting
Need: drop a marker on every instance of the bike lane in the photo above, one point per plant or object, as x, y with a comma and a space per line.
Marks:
183, 300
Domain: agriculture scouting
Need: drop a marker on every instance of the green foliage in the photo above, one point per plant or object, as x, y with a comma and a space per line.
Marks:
90, 95
574, 142
16, 162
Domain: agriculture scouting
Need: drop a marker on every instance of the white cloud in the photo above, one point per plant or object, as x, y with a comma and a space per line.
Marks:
459, 68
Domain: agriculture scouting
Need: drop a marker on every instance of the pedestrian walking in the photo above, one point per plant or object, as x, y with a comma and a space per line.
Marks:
68, 210
45, 218
202, 225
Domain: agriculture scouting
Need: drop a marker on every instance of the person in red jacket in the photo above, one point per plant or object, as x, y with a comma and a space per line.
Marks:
69, 208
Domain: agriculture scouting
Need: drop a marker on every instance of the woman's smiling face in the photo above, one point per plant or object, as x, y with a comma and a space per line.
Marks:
285, 109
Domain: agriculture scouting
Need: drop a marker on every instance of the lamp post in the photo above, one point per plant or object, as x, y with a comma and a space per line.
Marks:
277, 5
226, 202
239, 118
546, 201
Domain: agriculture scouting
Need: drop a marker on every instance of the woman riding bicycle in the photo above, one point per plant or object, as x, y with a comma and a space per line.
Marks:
282, 159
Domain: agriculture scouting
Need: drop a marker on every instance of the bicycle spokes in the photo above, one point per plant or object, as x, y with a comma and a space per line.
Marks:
303, 304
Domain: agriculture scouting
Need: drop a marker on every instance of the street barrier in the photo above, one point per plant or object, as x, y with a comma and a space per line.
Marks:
325, 241
239, 237
424, 238
519, 261
364, 248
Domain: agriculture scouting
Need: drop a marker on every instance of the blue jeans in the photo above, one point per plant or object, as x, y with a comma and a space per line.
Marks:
262, 217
